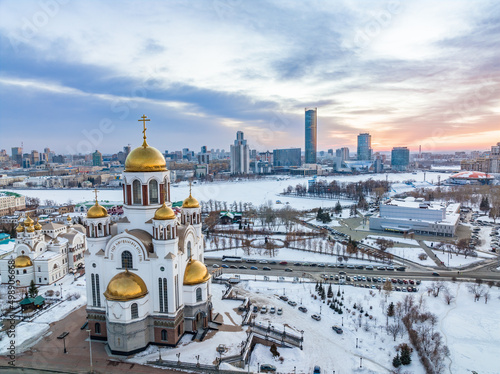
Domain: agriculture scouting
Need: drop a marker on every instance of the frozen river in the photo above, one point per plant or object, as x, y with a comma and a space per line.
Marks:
257, 192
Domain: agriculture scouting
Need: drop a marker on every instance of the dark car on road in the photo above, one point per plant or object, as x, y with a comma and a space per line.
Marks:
303, 309
266, 268
288, 269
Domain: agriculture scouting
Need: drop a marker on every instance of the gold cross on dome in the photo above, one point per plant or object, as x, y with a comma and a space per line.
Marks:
144, 119
95, 191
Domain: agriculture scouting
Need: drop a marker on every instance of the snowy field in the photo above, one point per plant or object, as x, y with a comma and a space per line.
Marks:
411, 254
28, 334
285, 254
371, 240
473, 342
257, 192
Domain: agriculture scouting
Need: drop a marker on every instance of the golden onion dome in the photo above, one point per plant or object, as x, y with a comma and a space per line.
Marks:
30, 229
22, 262
125, 286
28, 221
164, 212
97, 211
68, 218
196, 273
190, 202
20, 228
38, 226
145, 158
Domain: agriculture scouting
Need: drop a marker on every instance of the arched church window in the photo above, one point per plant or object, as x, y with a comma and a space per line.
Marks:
127, 262
97, 328
198, 294
134, 311
164, 335
136, 187
153, 192
189, 249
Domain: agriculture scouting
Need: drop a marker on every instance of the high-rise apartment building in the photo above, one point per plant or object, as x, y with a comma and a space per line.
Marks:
97, 158
287, 157
400, 158
311, 135
17, 155
343, 153
240, 155
364, 146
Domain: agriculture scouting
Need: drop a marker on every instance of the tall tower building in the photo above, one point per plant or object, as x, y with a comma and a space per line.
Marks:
17, 155
364, 146
311, 135
240, 155
97, 158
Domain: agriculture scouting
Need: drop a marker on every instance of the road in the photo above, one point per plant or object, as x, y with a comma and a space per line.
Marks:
315, 272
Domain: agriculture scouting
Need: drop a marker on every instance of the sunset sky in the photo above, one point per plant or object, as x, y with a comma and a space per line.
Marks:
76, 76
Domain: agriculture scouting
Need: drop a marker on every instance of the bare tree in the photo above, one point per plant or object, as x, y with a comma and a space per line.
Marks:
448, 297
394, 330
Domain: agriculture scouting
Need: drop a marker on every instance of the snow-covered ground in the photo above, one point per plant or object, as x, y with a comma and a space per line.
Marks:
458, 261
473, 342
370, 240
27, 333
257, 192
410, 253
285, 254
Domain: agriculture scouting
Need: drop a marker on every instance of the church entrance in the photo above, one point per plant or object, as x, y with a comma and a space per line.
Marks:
200, 319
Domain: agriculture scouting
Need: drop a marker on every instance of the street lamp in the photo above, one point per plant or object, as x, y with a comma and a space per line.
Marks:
198, 360
356, 342
178, 358
342, 321
90, 351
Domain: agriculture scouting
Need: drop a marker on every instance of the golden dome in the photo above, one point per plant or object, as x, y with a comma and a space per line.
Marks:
22, 262
30, 229
164, 212
68, 218
145, 158
190, 202
28, 221
97, 211
20, 228
195, 273
125, 286
38, 226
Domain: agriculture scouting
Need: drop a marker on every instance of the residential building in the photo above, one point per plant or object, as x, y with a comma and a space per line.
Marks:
400, 158
364, 147
240, 155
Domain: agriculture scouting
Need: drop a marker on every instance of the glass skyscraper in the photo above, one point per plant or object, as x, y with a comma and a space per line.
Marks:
311, 135
400, 158
364, 147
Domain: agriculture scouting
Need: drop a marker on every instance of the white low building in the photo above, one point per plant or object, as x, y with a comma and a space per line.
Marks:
418, 216
43, 253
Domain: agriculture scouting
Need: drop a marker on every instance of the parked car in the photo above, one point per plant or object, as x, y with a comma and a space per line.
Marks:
288, 269
254, 268
233, 267
380, 267
215, 266
255, 308
283, 263
369, 267
359, 267
337, 329
400, 268
267, 368
292, 303
243, 267
263, 262
263, 310
316, 317
272, 310
317, 370
350, 266
303, 309
224, 266
297, 264
280, 311
284, 298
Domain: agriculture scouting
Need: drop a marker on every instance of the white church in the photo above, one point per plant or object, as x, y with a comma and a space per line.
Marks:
146, 281
44, 253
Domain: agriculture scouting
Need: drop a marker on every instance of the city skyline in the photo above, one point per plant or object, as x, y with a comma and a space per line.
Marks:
76, 76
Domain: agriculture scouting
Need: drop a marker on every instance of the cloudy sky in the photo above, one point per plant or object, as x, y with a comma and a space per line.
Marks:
76, 76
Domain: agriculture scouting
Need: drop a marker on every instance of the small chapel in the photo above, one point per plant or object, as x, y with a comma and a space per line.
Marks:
146, 280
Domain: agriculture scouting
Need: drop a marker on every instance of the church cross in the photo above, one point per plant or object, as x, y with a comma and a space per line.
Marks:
144, 119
